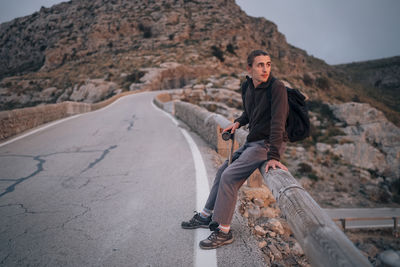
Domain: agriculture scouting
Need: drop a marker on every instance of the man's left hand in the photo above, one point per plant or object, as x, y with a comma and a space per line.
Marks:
274, 164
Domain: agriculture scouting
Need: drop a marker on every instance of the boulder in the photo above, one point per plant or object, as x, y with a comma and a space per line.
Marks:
389, 258
93, 91
276, 226
376, 141
232, 84
362, 155
357, 113
261, 193
297, 250
258, 230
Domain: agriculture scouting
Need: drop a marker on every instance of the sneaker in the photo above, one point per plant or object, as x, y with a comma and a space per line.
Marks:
196, 222
216, 239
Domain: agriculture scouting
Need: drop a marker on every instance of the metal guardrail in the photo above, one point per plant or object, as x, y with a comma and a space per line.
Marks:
321, 239
379, 215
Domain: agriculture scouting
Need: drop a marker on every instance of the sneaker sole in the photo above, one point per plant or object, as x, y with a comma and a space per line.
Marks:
195, 227
227, 242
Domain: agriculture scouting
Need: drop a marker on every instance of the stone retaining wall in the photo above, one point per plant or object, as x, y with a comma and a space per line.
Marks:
13, 122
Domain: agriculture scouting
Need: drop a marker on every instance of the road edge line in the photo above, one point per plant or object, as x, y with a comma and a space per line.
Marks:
202, 257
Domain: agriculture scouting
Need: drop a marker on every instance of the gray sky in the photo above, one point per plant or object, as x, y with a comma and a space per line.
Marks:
337, 31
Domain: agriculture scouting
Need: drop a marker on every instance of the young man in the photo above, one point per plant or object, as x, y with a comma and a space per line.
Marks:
266, 114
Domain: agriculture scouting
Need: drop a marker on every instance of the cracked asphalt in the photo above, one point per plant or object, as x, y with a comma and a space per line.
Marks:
108, 188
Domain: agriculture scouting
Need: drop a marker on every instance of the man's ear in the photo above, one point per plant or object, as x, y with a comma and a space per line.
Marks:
248, 68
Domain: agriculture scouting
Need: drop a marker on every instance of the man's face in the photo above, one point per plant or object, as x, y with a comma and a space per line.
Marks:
260, 69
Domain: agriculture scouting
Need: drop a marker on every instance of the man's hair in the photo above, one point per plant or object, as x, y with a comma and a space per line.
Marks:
253, 54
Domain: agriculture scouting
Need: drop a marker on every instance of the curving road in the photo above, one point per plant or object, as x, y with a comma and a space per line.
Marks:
108, 188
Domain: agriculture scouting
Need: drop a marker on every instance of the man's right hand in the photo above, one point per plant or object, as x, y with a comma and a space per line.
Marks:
232, 127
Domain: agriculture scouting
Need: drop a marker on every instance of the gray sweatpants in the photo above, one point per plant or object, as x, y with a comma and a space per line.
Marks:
228, 180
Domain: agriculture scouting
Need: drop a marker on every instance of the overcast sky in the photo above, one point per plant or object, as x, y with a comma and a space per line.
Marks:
337, 31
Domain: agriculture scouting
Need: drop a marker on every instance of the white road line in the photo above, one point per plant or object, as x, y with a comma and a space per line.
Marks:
51, 124
206, 258
38, 130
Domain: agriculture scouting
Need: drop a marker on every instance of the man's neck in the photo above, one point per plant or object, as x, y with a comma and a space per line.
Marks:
256, 83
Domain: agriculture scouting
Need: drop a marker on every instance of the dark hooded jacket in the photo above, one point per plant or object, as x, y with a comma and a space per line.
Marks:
266, 113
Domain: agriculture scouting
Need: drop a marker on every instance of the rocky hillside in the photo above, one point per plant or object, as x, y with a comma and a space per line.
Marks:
379, 79
89, 50
86, 51
63, 52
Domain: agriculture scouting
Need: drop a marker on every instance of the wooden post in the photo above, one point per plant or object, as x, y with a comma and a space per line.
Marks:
396, 232
343, 221
321, 239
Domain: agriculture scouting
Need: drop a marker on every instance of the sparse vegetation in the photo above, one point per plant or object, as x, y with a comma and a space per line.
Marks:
133, 77
323, 82
231, 49
218, 53
323, 110
146, 30
308, 81
304, 168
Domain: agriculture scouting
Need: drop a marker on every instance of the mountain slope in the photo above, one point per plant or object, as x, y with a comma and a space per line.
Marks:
378, 79
50, 55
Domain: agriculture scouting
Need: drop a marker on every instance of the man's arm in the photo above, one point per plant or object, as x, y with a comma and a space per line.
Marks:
243, 119
279, 112
232, 128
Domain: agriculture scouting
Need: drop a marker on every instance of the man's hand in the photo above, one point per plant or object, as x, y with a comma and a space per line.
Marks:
232, 127
273, 164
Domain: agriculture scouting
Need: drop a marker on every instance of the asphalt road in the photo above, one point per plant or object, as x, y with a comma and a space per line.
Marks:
107, 188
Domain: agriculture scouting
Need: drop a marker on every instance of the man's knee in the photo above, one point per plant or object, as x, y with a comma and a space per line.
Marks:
229, 179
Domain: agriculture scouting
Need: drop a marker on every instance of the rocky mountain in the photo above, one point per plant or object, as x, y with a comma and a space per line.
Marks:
89, 50
55, 53
379, 79
84, 50
68, 45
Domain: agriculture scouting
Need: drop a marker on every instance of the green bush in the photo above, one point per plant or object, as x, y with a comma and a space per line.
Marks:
231, 49
313, 176
334, 131
355, 98
134, 77
322, 109
308, 80
146, 30
217, 52
304, 168
323, 82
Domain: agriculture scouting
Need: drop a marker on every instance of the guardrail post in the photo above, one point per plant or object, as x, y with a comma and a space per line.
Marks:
343, 221
395, 227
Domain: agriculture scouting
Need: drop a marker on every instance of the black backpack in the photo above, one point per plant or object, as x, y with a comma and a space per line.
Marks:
298, 121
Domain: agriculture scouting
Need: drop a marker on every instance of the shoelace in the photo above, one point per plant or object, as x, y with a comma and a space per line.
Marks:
195, 217
213, 235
